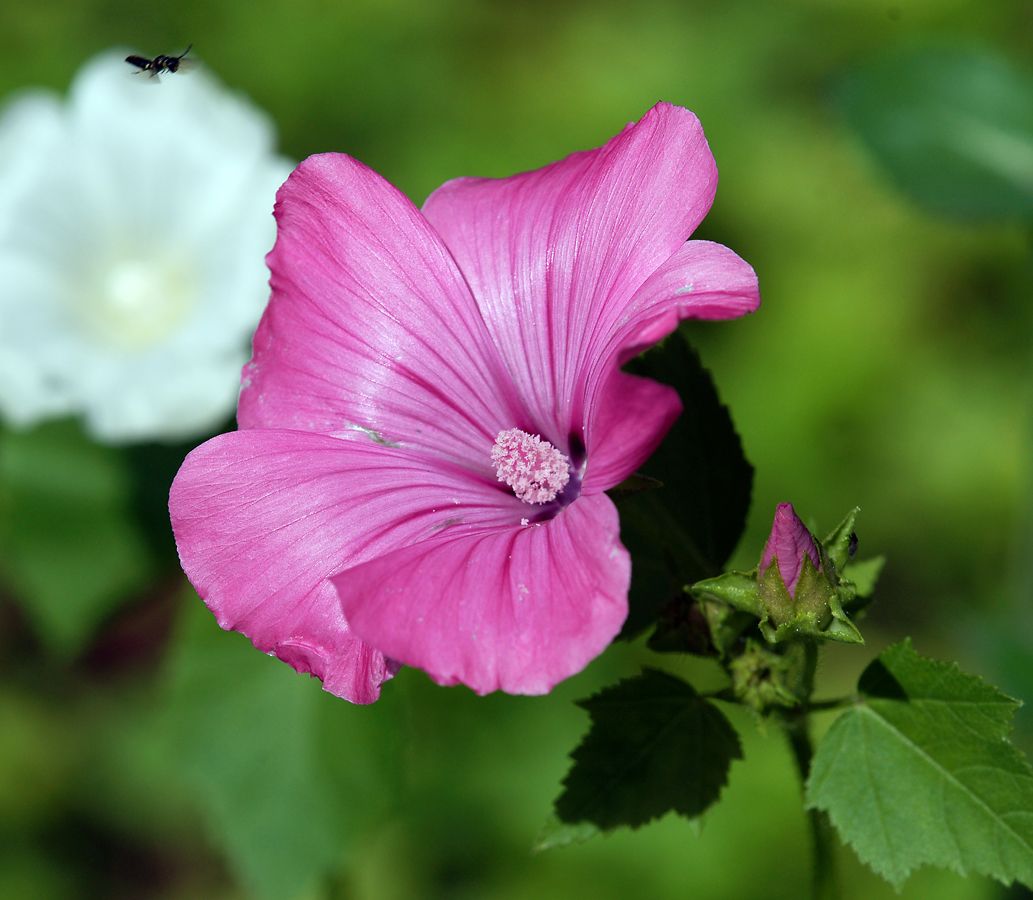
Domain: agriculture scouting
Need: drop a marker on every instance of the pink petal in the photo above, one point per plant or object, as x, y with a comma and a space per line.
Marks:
518, 609
625, 422
371, 325
555, 256
703, 280
789, 542
263, 518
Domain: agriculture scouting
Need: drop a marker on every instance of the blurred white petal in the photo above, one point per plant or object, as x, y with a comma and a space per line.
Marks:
134, 221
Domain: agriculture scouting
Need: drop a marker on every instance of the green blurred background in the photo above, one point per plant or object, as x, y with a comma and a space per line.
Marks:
144, 753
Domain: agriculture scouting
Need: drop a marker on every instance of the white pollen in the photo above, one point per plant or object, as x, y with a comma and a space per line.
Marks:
533, 468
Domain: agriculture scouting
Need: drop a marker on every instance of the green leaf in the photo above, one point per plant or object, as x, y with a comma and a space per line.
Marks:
687, 529
69, 545
921, 772
953, 127
654, 745
284, 773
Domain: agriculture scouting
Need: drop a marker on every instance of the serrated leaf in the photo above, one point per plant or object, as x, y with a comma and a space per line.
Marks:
921, 772
687, 529
654, 745
952, 126
70, 547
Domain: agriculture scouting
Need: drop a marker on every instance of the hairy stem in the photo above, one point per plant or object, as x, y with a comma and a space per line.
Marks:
825, 885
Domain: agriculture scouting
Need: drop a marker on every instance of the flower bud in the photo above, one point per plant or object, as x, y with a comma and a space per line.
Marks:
800, 592
796, 594
789, 543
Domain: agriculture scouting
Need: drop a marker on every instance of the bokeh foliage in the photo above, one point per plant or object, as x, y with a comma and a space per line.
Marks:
144, 753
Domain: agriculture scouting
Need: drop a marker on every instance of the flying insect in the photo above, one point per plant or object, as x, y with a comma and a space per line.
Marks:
159, 64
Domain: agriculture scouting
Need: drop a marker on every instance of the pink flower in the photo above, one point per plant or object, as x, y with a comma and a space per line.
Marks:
435, 407
789, 543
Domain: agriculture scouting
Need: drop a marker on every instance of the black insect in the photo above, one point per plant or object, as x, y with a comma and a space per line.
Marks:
159, 64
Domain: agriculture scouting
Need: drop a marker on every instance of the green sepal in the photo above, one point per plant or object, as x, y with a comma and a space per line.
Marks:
842, 629
837, 544
737, 589
814, 611
726, 624
778, 609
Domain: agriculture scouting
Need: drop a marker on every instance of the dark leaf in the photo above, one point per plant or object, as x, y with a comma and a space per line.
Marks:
686, 530
654, 745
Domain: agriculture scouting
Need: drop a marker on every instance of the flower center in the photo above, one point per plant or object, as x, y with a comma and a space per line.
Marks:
533, 468
140, 301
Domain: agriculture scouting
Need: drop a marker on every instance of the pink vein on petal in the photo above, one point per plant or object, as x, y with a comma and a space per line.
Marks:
516, 610
626, 421
263, 518
554, 256
370, 324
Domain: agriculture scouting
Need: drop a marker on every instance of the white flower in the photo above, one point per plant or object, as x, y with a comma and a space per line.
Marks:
134, 220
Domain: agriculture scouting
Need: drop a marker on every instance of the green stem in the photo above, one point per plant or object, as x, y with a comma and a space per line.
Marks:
825, 886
